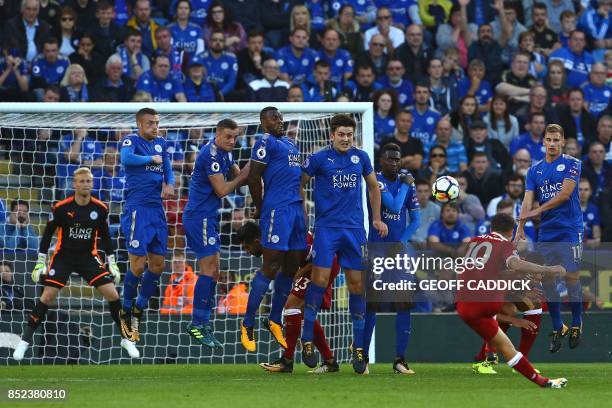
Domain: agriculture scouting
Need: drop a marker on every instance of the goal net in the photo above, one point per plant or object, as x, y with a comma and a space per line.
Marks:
40, 147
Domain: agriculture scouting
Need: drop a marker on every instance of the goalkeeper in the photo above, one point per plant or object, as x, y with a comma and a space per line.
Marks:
80, 219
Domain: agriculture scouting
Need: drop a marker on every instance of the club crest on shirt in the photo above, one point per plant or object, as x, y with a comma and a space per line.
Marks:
561, 167
158, 148
212, 241
355, 159
93, 215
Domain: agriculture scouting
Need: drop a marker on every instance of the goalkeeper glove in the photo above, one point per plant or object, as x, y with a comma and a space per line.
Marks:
40, 268
113, 268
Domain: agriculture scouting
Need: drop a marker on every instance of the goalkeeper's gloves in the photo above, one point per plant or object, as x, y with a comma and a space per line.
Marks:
113, 268
40, 268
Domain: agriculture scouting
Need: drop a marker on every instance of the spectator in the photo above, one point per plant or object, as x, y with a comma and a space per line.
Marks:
595, 21
462, 117
141, 96
456, 159
295, 94
178, 295
487, 50
164, 41
537, 63
543, 36
12, 296
160, 83
109, 180
250, 59
425, 119
51, 94
436, 165
245, 12
429, 212
142, 22
186, 36
339, 60
386, 107
515, 188
320, 88
412, 148
451, 70
218, 19
14, 77
41, 158
555, 83
479, 141
362, 88
133, 59
234, 302
50, 11
87, 57
221, 66
532, 139
572, 148
521, 161
597, 170
576, 60
116, 87
311, 16
29, 31
434, 12
67, 32
196, 86
174, 207
86, 13
275, 20
475, 85
392, 37
395, 80
501, 125
484, 182
555, 9
365, 10
105, 32
48, 68
604, 135
375, 55
471, 211
568, 25
17, 233
456, 33
517, 82
270, 88
506, 27
448, 236
74, 86
348, 28
538, 103
414, 54
443, 93
576, 121
590, 215
296, 60
596, 92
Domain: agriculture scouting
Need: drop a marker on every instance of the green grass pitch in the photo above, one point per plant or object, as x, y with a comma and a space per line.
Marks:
242, 386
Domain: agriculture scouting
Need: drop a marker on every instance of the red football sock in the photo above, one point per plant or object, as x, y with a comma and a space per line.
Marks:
528, 337
524, 367
482, 354
293, 327
321, 342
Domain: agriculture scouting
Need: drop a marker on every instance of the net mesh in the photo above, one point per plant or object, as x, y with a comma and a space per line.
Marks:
38, 154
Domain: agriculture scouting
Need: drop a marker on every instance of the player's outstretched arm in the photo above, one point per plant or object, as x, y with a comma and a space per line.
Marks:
525, 209
222, 187
255, 187
521, 266
375, 201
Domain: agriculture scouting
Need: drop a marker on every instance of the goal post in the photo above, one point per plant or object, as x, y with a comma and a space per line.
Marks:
33, 163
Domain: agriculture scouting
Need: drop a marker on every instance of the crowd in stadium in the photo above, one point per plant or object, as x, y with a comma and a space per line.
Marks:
464, 87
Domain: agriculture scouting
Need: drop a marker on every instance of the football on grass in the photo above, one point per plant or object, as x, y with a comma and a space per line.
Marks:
445, 189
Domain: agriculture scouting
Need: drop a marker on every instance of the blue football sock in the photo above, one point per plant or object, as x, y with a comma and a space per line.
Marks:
201, 300
130, 289
357, 307
368, 331
402, 332
259, 287
574, 293
282, 287
553, 299
150, 281
312, 304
